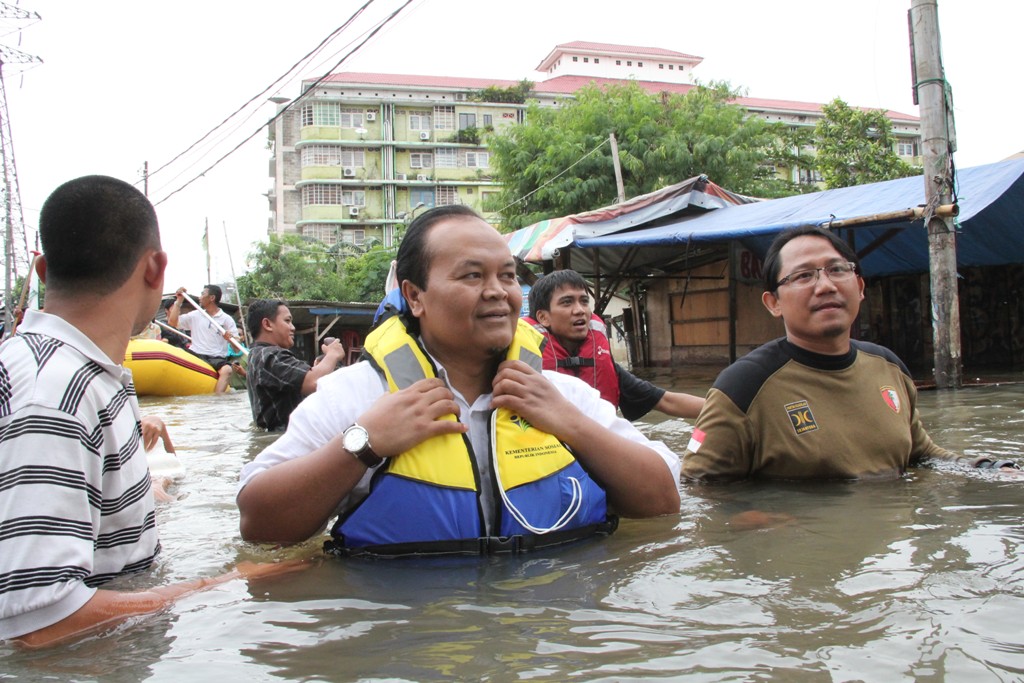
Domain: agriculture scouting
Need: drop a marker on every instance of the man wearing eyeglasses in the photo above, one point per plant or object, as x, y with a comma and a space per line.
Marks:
814, 404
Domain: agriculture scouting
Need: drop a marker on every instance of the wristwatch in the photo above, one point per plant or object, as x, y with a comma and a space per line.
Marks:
356, 441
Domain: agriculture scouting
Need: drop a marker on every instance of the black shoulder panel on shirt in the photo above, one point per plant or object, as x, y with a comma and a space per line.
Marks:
881, 351
743, 379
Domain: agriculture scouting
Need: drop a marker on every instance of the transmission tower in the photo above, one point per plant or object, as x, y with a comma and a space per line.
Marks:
15, 240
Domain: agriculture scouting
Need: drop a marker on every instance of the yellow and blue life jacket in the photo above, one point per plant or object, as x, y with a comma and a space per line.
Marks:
427, 501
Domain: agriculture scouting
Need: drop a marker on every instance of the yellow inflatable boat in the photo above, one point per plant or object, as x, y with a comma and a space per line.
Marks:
160, 369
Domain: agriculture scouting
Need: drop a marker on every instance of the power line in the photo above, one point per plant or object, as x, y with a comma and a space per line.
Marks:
308, 56
554, 178
289, 106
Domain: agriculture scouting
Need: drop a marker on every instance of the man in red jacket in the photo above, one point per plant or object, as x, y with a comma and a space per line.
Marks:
578, 345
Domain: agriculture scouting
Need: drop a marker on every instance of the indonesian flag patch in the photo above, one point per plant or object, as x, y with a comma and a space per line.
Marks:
891, 398
695, 441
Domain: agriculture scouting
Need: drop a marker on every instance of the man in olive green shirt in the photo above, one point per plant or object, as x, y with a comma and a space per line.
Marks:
814, 404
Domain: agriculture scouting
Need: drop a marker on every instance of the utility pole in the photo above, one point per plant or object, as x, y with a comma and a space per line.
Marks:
14, 238
933, 94
618, 169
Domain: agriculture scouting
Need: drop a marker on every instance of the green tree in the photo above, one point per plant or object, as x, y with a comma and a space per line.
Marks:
290, 267
364, 275
515, 94
856, 146
548, 166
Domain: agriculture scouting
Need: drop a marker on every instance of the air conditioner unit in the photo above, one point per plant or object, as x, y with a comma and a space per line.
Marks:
371, 116
422, 177
349, 172
353, 211
424, 135
401, 176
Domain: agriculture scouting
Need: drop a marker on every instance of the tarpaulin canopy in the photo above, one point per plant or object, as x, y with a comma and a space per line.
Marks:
991, 221
541, 241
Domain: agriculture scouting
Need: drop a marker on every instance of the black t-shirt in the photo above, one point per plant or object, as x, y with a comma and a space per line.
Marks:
274, 379
637, 397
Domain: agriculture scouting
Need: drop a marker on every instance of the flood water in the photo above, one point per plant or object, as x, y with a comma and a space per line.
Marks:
920, 579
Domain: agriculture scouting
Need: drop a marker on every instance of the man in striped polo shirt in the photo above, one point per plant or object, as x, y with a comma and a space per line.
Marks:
76, 508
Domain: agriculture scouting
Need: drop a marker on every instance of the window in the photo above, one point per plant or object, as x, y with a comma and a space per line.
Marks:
629, 63
575, 58
328, 234
586, 60
422, 196
670, 67
906, 148
321, 114
421, 160
446, 158
351, 118
618, 62
808, 177
419, 120
447, 195
358, 237
314, 195
597, 60
321, 155
639, 65
477, 159
467, 121
661, 66
352, 158
353, 198
488, 120
331, 155
444, 118
332, 195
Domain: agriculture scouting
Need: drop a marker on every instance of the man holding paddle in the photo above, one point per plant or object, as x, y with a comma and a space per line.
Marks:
212, 330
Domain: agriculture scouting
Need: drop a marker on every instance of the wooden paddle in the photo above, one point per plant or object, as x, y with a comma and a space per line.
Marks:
25, 286
172, 329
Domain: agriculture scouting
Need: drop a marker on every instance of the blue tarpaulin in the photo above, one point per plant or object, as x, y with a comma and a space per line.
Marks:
991, 221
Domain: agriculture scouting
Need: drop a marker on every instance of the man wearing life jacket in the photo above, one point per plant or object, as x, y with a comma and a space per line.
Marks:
578, 345
450, 438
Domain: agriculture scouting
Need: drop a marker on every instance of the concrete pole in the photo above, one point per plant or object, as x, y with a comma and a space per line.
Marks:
936, 123
618, 169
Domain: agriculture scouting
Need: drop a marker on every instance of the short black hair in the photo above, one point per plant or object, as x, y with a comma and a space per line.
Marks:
412, 262
545, 287
773, 262
93, 231
413, 259
258, 310
215, 292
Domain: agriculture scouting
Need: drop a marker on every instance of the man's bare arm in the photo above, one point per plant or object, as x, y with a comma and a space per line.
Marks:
107, 607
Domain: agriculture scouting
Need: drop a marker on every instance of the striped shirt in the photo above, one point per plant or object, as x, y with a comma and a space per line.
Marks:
76, 508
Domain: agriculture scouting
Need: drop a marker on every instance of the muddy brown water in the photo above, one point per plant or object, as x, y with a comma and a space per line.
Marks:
920, 579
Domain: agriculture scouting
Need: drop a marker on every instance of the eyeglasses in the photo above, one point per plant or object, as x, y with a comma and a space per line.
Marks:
836, 272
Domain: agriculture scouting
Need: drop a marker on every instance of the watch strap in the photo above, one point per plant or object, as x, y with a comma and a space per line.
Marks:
368, 457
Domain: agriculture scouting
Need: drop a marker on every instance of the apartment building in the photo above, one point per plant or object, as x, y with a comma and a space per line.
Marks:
357, 155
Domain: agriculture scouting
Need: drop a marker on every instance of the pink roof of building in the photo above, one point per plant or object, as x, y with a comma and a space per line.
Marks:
412, 80
567, 85
610, 48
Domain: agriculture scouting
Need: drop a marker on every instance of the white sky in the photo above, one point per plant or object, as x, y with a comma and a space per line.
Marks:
124, 82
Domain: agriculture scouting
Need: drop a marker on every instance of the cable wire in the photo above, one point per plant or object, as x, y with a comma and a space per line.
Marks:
554, 178
309, 55
280, 113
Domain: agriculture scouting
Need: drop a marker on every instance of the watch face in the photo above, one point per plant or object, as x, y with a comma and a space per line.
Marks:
355, 439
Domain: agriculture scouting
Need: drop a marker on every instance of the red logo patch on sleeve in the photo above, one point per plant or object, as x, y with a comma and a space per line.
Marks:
695, 441
891, 398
